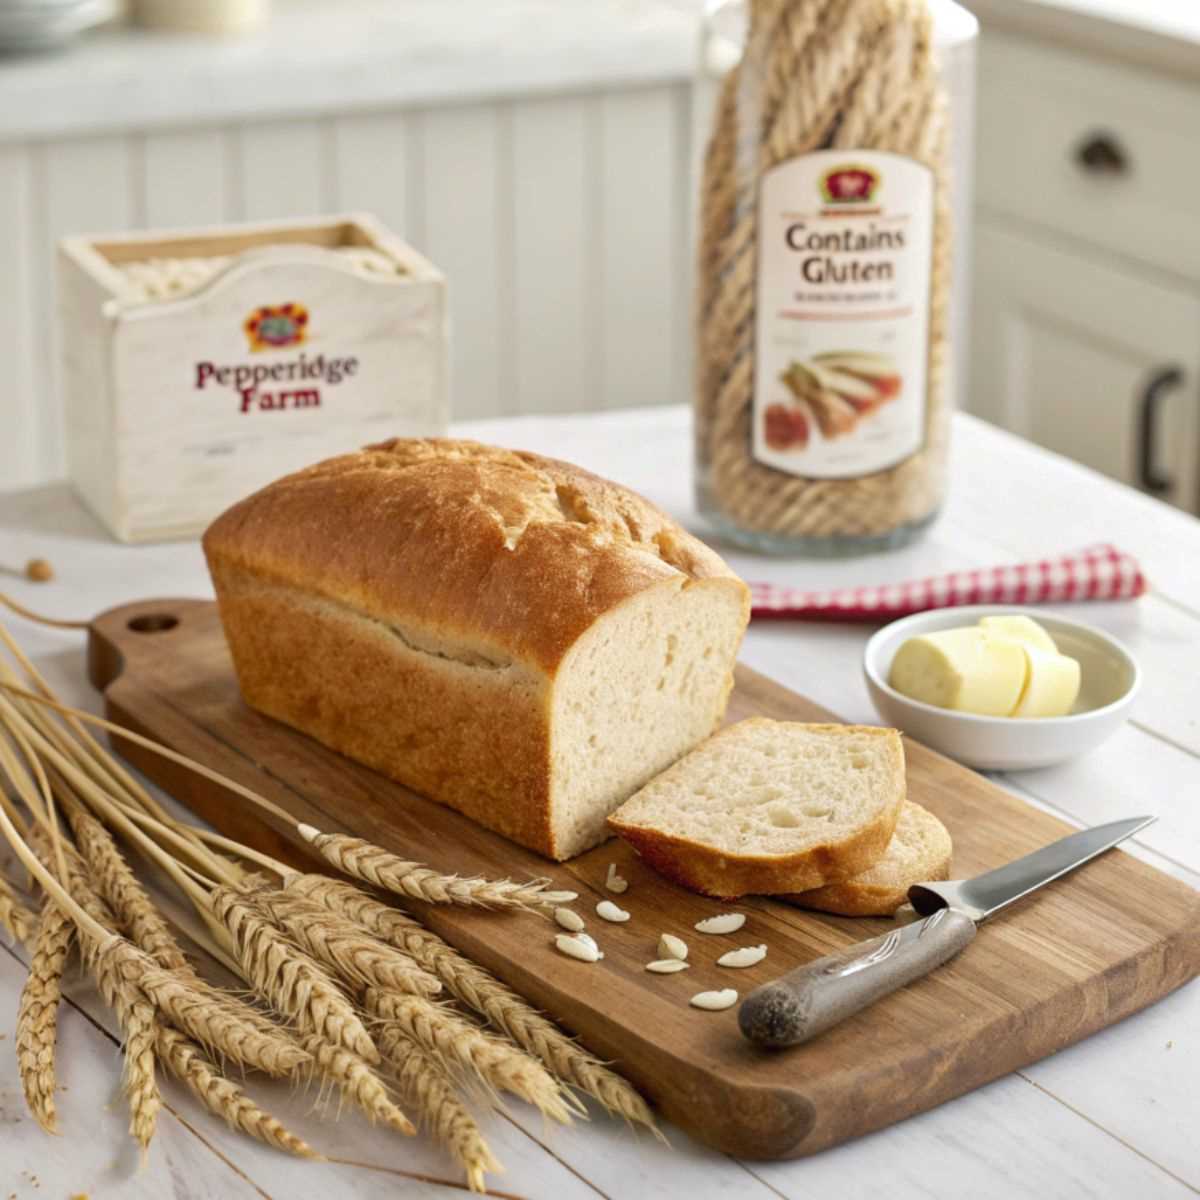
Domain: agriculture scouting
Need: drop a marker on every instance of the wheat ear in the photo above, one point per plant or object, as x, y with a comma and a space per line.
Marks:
372, 864
188, 1063
218, 1024
20, 921
294, 983
215, 1018
357, 1082
450, 1039
359, 959
426, 1088
480, 990
135, 1014
115, 881
37, 1013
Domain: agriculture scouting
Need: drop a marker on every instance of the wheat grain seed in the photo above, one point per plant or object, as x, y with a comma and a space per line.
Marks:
667, 966
714, 1001
746, 956
573, 946
608, 911
614, 882
568, 919
724, 923
670, 946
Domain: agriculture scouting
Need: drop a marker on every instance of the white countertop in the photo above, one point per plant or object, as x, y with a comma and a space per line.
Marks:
325, 56
338, 55
1111, 1117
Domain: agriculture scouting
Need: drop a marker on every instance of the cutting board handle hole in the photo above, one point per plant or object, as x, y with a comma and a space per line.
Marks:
153, 623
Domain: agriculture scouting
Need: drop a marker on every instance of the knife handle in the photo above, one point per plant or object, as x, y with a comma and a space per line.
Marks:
818, 995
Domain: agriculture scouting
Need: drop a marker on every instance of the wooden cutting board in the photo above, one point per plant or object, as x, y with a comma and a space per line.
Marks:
1088, 950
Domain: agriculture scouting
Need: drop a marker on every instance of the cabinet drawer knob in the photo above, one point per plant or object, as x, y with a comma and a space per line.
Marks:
1101, 153
1151, 477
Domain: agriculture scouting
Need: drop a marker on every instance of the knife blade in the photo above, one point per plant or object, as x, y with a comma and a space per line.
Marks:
823, 993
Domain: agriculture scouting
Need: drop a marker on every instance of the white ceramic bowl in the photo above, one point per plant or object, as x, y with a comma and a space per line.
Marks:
1110, 680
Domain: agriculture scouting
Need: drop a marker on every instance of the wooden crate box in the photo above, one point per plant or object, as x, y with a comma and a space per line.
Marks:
198, 366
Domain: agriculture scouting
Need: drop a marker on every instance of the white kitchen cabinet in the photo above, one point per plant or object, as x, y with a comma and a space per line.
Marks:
1094, 361
535, 150
1086, 292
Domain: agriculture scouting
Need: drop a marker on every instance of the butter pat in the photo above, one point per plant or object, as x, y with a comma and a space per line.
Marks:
966, 669
1006, 666
1020, 629
1051, 685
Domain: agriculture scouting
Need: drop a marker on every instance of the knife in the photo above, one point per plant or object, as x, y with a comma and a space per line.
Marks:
818, 995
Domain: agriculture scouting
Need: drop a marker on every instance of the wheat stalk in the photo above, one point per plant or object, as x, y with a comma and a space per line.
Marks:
14, 916
221, 1096
357, 1082
125, 896
218, 1024
451, 1039
359, 959
372, 864
135, 1014
480, 990
216, 1019
293, 982
37, 1013
426, 1088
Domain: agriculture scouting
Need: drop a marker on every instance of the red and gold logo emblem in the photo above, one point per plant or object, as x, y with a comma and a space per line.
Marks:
275, 326
849, 184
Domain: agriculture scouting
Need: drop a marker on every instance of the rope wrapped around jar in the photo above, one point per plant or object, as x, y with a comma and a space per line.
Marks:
814, 75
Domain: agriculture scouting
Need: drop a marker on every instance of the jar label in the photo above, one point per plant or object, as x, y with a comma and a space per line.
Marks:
842, 340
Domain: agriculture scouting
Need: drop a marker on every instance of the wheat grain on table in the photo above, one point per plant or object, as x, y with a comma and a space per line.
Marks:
1113, 1116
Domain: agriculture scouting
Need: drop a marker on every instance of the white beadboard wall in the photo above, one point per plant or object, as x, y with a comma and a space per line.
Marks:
556, 218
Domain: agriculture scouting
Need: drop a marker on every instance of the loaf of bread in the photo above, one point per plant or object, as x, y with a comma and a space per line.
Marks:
504, 633
770, 806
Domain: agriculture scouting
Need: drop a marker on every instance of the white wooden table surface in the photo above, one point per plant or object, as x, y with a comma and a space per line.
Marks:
1116, 1116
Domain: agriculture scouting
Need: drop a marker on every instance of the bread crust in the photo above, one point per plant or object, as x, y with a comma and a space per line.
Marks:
410, 606
703, 868
507, 551
883, 887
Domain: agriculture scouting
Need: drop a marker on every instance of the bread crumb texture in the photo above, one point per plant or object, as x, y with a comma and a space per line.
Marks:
763, 805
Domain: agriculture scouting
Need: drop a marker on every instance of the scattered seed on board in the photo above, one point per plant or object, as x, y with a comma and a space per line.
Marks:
725, 923
610, 912
714, 1001
669, 946
614, 882
590, 941
667, 966
575, 947
568, 918
746, 956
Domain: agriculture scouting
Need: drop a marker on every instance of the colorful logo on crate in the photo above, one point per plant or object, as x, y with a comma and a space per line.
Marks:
274, 326
849, 184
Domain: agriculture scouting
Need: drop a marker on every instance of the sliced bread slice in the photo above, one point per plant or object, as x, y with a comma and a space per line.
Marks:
770, 806
919, 851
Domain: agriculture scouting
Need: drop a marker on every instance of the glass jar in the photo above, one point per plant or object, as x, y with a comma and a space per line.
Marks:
830, 299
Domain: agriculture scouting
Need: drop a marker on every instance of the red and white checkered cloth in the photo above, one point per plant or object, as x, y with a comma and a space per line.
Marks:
1094, 573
